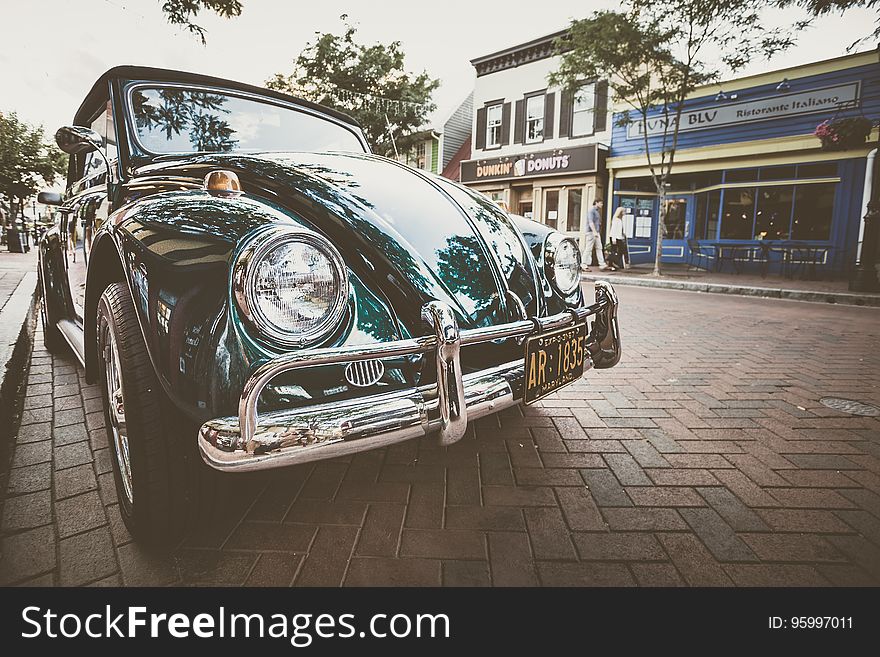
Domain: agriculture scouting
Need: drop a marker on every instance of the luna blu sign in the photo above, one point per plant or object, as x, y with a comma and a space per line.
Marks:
773, 107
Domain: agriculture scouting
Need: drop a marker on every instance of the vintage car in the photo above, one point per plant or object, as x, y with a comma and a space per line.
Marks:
247, 282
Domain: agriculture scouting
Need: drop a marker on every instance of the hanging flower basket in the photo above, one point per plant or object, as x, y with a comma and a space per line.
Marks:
843, 134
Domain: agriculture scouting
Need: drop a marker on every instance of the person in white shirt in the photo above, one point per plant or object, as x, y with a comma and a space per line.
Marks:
617, 238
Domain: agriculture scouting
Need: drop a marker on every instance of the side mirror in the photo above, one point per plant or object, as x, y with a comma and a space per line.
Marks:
76, 139
50, 198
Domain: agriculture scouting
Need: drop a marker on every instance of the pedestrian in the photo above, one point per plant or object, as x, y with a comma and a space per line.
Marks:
617, 240
594, 237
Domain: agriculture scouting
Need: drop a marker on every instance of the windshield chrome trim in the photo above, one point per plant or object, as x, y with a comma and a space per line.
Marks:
132, 86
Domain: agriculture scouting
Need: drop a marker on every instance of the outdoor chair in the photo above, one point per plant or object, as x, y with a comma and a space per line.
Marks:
731, 253
699, 257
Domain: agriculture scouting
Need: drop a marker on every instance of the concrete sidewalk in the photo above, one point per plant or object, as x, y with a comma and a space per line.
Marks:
677, 277
18, 282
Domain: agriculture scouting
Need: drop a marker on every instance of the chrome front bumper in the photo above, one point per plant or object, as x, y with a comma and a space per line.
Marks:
255, 442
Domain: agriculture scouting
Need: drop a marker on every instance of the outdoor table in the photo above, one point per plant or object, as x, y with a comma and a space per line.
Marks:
735, 247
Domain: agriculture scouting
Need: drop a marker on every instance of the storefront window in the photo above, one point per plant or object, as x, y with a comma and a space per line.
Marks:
778, 173
741, 175
774, 212
712, 217
737, 214
493, 126
582, 111
551, 207
676, 213
637, 185
700, 213
813, 211
575, 198
818, 170
535, 119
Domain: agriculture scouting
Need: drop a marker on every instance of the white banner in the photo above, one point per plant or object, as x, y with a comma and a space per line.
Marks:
774, 107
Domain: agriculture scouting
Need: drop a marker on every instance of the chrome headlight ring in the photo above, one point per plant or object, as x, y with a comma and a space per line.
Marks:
555, 246
245, 275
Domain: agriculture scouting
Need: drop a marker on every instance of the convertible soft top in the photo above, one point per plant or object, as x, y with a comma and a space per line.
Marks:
168, 75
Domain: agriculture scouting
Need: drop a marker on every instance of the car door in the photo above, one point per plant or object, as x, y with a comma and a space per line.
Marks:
86, 209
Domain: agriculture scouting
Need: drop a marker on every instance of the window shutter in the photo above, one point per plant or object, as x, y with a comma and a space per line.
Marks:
549, 109
600, 114
481, 128
505, 124
565, 114
519, 120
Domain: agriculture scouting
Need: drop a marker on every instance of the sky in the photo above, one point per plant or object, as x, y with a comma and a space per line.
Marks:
52, 51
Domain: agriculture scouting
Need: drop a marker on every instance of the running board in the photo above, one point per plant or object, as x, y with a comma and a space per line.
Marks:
74, 336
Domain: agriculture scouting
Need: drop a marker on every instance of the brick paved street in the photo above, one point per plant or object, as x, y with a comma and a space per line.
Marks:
704, 458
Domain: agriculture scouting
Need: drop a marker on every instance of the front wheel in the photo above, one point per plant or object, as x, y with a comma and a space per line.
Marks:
151, 459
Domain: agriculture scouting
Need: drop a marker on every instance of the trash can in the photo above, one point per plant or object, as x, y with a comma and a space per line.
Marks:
17, 240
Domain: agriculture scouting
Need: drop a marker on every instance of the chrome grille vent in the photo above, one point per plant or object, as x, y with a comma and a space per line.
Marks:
363, 373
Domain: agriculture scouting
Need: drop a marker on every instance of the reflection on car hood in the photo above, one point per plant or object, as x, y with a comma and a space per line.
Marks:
445, 242
417, 236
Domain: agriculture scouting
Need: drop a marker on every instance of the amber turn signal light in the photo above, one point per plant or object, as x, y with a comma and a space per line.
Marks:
221, 180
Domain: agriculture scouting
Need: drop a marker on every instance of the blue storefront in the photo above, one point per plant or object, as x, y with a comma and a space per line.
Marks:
750, 176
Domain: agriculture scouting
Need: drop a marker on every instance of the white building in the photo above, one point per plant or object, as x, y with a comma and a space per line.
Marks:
535, 149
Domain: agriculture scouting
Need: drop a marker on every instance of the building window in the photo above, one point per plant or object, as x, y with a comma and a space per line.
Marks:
582, 107
534, 119
813, 211
551, 207
713, 216
741, 175
493, 126
575, 203
737, 214
417, 155
773, 215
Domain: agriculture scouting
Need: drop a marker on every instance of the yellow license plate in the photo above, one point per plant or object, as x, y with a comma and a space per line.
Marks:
554, 360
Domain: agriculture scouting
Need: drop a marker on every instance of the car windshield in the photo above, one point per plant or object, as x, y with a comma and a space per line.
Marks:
189, 120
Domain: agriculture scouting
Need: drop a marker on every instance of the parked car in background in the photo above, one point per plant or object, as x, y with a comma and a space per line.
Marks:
252, 288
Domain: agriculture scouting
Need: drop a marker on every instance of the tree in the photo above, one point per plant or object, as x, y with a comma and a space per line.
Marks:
182, 12
27, 161
653, 53
367, 82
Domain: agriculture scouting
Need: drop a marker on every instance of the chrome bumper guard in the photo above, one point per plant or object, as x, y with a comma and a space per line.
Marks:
286, 437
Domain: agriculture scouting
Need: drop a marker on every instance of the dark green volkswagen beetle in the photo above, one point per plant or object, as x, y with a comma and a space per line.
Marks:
247, 282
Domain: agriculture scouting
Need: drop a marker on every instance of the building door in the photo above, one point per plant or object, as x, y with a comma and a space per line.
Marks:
522, 201
550, 214
679, 228
639, 225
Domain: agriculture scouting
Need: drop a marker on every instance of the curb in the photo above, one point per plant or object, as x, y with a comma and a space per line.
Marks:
16, 338
845, 298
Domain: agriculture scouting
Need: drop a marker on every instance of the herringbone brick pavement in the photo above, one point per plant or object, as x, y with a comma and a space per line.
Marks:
704, 458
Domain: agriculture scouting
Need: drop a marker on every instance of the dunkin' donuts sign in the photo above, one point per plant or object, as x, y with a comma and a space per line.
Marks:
561, 160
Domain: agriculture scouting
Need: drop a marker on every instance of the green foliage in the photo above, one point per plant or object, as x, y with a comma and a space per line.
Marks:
367, 82
27, 161
182, 12
196, 112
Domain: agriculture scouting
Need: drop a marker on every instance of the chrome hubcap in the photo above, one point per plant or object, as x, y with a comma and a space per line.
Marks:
116, 400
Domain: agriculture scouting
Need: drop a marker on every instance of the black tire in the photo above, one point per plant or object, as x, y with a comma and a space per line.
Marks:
52, 338
170, 486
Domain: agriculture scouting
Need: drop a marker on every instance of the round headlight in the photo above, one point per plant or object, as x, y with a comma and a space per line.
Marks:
292, 286
562, 263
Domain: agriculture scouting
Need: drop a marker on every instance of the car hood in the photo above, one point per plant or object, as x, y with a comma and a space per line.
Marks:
417, 237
